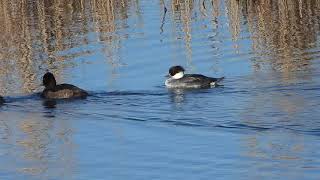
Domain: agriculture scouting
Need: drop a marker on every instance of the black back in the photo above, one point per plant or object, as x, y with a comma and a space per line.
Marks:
54, 91
195, 81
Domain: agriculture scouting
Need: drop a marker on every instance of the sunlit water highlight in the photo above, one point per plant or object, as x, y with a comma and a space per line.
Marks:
262, 124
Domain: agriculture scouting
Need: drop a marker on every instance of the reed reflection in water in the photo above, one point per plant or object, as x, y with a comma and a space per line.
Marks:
42, 35
45, 35
262, 124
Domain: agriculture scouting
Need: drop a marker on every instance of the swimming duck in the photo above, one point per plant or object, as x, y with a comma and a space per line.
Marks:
60, 91
177, 79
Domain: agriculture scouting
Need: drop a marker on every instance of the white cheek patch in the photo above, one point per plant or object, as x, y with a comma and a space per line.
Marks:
178, 75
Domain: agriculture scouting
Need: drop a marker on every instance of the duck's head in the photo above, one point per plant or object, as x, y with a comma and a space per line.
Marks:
48, 80
176, 72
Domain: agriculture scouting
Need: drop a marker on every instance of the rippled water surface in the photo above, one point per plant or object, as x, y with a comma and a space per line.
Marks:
262, 124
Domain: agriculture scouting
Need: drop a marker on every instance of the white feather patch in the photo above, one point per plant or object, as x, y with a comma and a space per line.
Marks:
179, 75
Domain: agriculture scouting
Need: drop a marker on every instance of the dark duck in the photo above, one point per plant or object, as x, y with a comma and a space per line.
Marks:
53, 90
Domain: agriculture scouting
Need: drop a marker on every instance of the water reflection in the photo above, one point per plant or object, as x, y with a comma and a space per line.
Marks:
286, 152
177, 96
35, 143
51, 34
36, 34
49, 104
276, 38
282, 32
38, 146
1, 100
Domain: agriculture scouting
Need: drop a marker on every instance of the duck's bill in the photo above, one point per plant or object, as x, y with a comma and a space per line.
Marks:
167, 76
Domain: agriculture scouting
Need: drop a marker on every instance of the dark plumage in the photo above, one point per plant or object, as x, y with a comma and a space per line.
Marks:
201, 80
175, 69
180, 80
60, 91
1, 100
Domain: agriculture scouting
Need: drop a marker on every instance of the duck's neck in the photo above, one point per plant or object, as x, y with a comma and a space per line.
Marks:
50, 85
179, 75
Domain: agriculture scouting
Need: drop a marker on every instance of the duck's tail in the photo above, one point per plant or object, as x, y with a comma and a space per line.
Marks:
219, 79
215, 81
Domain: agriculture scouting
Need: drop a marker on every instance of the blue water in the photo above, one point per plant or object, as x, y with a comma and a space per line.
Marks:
263, 123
